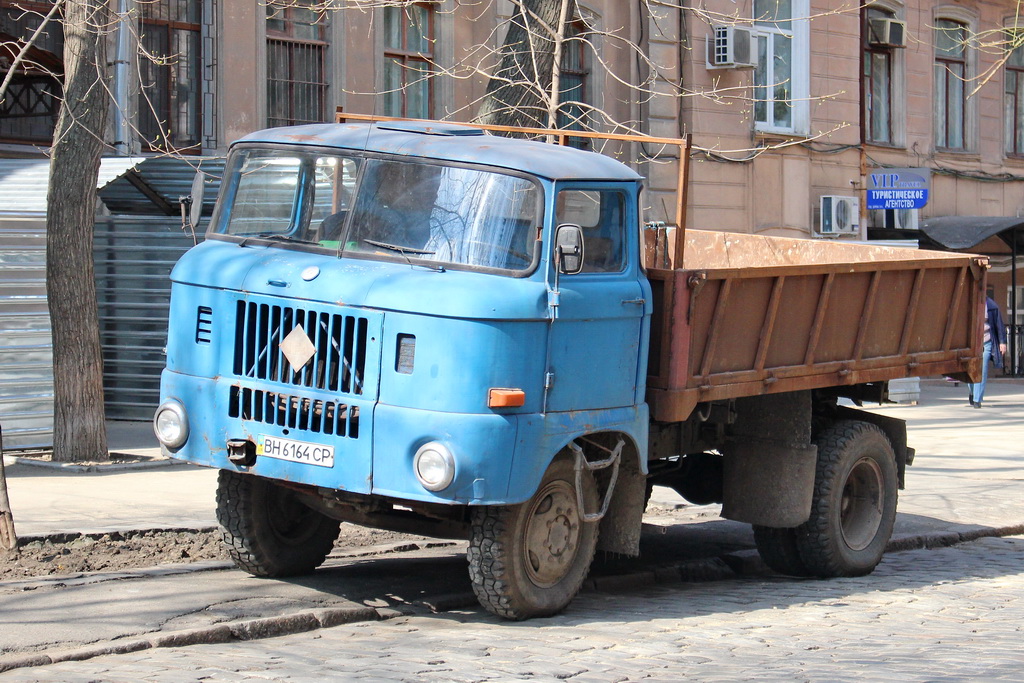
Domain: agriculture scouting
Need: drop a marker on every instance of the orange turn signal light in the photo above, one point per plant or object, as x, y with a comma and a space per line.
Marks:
505, 398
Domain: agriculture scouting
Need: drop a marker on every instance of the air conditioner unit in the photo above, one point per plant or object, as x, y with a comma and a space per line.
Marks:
839, 215
731, 47
887, 33
901, 219
895, 219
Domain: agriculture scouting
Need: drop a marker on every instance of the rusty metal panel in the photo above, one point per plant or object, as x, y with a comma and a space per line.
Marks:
774, 315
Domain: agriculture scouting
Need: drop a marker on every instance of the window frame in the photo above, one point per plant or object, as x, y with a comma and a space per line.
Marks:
1013, 124
407, 58
869, 95
290, 42
163, 121
574, 114
943, 128
37, 85
798, 31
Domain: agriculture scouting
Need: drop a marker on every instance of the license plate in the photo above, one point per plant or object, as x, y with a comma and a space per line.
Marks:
295, 451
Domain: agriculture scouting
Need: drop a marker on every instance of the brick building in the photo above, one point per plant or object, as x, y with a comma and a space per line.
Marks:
796, 101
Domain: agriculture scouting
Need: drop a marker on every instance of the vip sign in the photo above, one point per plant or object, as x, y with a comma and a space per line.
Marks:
898, 188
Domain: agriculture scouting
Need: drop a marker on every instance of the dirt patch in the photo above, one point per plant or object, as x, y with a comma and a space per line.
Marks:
75, 553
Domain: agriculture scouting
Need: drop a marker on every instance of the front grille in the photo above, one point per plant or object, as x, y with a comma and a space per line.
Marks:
294, 412
340, 341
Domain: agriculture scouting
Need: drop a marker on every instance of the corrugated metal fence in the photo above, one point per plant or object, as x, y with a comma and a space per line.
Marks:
26, 371
134, 256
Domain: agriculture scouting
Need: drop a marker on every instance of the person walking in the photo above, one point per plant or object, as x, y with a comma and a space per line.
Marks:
994, 346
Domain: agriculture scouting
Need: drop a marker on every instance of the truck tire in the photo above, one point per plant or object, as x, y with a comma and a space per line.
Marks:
529, 560
778, 549
267, 530
854, 505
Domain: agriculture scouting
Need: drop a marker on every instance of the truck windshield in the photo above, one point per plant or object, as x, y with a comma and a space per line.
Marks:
445, 214
380, 208
288, 196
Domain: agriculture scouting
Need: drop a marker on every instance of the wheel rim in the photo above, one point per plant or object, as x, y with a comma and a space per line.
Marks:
860, 512
553, 533
290, 521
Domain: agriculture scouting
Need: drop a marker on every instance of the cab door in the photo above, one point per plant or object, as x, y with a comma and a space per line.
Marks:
595, 340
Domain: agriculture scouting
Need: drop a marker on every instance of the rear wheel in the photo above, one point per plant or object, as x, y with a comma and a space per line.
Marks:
267, 529
854, 505
778, 549
529, 560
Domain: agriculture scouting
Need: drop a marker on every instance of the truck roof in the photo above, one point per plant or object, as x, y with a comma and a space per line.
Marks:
452, 142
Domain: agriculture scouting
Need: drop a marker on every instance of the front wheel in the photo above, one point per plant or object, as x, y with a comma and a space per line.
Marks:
267, 529
854, 505
529, 560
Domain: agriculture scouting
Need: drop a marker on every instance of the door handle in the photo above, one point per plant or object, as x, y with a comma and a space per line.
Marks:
639, 302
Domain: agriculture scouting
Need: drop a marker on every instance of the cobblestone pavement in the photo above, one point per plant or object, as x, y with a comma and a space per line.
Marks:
950, 614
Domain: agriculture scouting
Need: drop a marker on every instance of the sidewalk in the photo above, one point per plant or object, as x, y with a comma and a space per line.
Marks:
967, 475
157, 493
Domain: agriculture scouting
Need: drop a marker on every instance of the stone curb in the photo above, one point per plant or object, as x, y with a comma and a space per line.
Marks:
104, 467
730, 565
89, 578
250, 629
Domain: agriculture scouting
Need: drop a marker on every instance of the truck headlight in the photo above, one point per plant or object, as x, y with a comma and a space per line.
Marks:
435, 466
170, 423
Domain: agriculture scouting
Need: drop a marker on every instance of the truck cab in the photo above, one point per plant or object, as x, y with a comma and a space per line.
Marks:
401, 324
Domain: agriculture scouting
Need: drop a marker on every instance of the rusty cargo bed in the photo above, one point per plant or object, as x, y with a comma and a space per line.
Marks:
749, 315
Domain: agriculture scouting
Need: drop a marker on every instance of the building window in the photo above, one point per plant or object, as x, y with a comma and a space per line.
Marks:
782, 76
408, 61
879, 59
573, 97
28, 112
170, 113
296, 63
950, 77
1014, 97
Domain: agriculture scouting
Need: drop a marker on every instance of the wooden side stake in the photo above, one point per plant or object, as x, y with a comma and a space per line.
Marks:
8, 537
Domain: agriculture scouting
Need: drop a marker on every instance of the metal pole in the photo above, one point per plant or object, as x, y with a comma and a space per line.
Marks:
1014, 365
122, 120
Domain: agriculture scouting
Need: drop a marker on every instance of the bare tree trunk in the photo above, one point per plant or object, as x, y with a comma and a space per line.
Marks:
519, 91
8, 536
79, 430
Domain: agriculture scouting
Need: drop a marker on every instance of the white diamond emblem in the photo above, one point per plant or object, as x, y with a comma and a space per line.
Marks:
297, 348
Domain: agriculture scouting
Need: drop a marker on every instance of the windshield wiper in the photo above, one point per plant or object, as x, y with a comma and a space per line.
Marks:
405, 251
277, 237
401, 250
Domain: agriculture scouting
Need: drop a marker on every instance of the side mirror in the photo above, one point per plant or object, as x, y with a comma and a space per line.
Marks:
193, 203
198, 188
569, 249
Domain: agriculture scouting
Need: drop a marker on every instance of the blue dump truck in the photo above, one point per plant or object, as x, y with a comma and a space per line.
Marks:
426, 328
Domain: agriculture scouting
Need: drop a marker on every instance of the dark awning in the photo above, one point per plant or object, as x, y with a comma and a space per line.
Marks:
153, 185
964, 232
